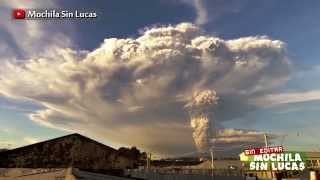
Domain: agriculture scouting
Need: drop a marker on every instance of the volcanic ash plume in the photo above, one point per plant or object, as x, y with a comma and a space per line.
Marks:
199, 108
134, 87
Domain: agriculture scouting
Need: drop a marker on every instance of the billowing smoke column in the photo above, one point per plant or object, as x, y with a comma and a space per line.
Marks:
199, 108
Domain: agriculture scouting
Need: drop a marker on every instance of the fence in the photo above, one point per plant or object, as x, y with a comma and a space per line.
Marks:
186, 174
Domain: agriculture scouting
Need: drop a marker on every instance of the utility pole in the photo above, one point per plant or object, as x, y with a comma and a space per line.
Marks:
282, 140
148, 161
212, 166
265, 139
266, 143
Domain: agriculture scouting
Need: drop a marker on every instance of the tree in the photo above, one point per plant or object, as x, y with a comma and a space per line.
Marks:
132, 153
2, 150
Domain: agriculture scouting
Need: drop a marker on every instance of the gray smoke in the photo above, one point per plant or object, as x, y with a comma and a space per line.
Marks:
132, 91
199, 108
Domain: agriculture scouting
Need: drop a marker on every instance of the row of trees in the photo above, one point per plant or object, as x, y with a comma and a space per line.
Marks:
133, 153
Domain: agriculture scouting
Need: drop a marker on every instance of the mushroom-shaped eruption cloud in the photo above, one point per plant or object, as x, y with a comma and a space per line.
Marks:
132, 91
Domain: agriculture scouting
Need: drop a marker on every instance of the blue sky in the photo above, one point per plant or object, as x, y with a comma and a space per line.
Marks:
292, 21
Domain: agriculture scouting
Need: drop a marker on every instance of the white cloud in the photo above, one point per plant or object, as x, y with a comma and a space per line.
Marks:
200, 10
30, 38
207, 11
132, 91
230, 141
287, 98
247, 137
202, 14
31, 140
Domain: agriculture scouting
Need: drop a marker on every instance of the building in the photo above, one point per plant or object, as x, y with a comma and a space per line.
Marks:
313, 161
72, 150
